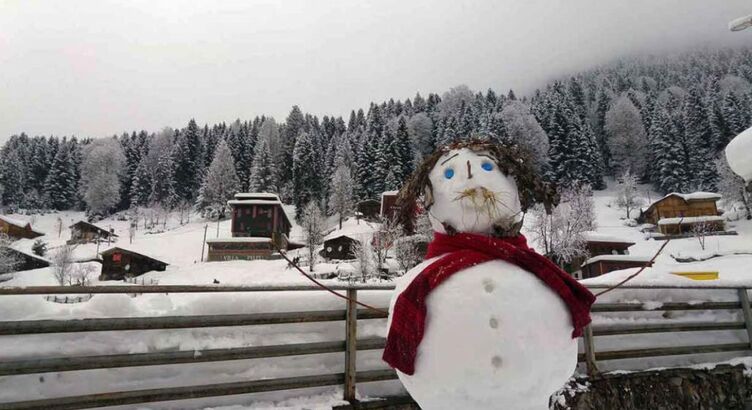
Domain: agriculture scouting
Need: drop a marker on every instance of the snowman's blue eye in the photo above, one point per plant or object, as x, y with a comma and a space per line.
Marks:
448, 173
487, 166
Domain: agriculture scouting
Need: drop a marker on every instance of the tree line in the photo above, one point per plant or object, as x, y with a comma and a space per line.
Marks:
664, 119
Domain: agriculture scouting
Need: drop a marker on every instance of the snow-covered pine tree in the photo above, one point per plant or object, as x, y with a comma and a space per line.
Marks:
699, 137
341, 190
304, 176
60, 184
142, 181
521, 127
220, 183
263, 173
163, 192
188, 162
403, 150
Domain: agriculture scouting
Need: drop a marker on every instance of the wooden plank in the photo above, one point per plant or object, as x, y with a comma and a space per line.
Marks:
65, 364
21, 327
633, 307
351, 350
744, 300
51, 290
665, 327
704, 286
590, 360
667, 351
194, 392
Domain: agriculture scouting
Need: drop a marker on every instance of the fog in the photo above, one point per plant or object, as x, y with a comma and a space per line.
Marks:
95, 68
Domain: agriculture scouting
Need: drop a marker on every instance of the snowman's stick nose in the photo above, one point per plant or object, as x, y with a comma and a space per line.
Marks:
469, 172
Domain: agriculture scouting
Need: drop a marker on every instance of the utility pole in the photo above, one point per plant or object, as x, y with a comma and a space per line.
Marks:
203, 244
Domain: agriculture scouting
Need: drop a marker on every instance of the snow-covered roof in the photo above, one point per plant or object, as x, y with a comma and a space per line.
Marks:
352, 229
107, 231
30, 255
257, 195
690, 220
254, 202
17, 222
385, 193
618, 258
592, 236
245, 239
122, 249
738, 152
695, 196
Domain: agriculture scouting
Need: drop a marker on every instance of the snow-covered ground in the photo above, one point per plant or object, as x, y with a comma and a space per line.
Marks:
180, 246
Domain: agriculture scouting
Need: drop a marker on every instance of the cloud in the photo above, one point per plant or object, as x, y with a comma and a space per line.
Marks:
95, 68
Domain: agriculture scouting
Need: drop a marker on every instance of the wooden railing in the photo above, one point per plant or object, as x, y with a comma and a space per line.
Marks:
349, 346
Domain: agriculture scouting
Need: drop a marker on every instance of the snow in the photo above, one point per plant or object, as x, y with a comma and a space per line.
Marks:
592, 236
180, 246
738, 153
694, 196
627, 258
13, 221
247, 239
249, 195
353, 228
690, 220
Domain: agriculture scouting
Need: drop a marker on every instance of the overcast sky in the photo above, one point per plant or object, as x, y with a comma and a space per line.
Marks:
95, 68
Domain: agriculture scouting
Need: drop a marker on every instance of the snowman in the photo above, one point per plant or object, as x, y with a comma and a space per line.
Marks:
484, 322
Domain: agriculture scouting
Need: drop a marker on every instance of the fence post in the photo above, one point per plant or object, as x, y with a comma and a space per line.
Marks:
587, 342
351, 337
744, 299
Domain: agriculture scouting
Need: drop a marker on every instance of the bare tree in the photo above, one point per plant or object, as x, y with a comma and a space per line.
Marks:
62, 264
700, 231
365, 258
389, 230
407, 251
626, 196
560, 234
313, 231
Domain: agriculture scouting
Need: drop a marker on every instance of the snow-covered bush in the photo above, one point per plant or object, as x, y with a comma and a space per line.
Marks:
561, 233
39, 247
626, 195
732, 186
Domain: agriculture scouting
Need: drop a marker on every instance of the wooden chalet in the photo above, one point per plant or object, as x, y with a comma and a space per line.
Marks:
17, 229
341, 247
677, 213
369, 209
259, 227
598, 244
84, 232
601, 264
119, 263
25, 261
388, 207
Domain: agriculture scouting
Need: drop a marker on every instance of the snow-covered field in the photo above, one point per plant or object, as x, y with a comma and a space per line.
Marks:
180, 246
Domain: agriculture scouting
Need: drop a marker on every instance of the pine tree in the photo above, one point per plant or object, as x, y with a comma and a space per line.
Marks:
304, 176
699, 137
627, 140
163, 190
188, 163
60, 185
262, 170
142, 183
220, 183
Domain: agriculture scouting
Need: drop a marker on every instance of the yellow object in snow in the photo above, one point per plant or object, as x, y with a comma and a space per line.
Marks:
710, 275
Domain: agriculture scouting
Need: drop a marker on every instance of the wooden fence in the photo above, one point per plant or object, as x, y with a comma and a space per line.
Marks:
349, 346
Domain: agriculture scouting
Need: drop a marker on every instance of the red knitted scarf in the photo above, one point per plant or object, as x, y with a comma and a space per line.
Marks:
462, 251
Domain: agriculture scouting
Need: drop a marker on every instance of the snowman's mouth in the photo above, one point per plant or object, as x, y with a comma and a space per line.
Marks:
481, 198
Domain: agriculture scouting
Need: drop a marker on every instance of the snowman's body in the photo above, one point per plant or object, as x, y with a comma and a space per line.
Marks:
496, 336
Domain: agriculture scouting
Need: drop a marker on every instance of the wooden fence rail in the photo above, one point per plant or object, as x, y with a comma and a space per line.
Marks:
349, 346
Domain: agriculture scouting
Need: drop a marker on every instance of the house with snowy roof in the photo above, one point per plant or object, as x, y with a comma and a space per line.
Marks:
17, 229
340, 244
25, 261
260, 225
119, 263
677, 213
606, 253
83, 232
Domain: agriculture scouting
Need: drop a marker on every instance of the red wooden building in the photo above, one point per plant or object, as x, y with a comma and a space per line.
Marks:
259, 227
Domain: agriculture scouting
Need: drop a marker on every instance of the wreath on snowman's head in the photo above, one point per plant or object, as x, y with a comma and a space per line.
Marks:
511, 159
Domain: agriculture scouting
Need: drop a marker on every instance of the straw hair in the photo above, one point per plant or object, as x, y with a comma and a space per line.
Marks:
512, 160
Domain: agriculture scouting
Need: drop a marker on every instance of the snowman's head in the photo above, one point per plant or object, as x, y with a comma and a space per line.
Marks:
477, 186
